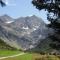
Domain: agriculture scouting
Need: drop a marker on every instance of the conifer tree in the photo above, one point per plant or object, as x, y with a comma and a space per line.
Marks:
53, 15
2, 3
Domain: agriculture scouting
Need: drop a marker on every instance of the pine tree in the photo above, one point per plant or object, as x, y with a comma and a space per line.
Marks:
53, 8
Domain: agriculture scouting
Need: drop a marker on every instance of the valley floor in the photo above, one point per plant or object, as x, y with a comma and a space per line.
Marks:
18, 55
4, 53
14, 55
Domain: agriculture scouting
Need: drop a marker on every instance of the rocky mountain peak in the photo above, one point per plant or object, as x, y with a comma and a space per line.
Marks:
6, 19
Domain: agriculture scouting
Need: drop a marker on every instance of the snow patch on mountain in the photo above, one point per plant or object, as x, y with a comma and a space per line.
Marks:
35, 28
25, 28
8, 22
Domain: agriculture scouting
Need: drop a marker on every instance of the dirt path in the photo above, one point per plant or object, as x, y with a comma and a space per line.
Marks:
12, 56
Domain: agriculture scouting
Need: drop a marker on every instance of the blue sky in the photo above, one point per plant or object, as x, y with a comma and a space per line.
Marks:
18, 8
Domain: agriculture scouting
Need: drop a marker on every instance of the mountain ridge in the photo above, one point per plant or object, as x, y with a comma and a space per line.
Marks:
24, 32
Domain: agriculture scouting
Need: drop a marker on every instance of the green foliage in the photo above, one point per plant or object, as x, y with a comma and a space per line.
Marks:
52, 7
43, 47
2, 3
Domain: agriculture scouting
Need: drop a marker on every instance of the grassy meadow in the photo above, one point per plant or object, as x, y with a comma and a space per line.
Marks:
4, 53
26, 56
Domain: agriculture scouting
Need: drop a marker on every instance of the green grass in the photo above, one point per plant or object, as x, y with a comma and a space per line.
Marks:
29, 56
4, 53
26, 56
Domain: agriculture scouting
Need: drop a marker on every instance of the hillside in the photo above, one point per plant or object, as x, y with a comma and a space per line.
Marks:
4, 46
44, 47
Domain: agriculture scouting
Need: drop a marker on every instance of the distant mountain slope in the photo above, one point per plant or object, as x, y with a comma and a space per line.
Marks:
24, 32
5, 46
44, 47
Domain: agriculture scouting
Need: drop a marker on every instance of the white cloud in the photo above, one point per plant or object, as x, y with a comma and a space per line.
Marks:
6, 2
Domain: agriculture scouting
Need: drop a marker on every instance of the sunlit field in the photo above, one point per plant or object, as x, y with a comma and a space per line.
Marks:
27, 56
4, 53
